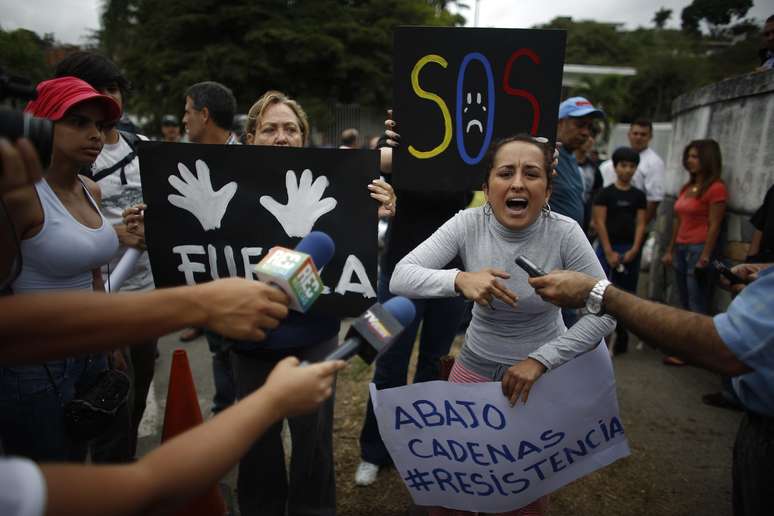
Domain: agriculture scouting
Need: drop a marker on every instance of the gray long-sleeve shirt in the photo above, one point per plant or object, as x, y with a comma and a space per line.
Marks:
507, 335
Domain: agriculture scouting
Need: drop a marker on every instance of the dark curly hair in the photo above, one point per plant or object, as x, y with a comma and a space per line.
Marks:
96, 69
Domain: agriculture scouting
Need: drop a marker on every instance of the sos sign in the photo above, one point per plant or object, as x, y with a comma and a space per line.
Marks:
456, 90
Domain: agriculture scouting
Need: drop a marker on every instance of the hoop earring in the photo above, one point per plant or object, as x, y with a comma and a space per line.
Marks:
546, 209
487, 209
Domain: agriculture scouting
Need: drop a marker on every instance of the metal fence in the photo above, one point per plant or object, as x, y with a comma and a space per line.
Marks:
368, 122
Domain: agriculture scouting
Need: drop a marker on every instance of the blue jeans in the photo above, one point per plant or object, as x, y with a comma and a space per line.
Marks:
31, 413
440, 319
695, 289
626, 280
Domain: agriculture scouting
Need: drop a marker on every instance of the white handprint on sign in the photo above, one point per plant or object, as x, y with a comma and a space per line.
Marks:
198, 197
305, 204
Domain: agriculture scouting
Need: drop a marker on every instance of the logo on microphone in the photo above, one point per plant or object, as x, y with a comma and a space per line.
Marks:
295, 273
377, 326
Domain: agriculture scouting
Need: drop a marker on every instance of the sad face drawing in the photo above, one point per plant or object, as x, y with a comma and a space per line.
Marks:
475, 107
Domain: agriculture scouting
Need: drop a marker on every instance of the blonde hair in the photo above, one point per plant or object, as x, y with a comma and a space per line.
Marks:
270, 98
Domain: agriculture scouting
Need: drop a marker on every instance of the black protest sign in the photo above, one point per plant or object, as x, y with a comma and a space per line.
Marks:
215, 210
458, 90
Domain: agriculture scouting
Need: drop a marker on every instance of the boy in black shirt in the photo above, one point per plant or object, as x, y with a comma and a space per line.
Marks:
619, 219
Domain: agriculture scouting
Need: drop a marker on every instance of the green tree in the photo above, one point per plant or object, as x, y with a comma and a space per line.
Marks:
22, 53
716, 13
661, 17
321, 51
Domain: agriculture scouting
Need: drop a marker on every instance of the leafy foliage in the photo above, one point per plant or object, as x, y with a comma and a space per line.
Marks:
661, 17
22, 54
328, 51
319, 51
714, 12
668, 62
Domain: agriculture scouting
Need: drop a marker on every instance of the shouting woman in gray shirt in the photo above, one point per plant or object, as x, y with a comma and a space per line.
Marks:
514, 336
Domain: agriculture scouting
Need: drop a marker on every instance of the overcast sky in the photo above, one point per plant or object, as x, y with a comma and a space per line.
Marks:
71, 20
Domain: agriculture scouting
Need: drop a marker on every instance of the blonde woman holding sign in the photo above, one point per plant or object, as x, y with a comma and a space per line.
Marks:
514, 336
278, 120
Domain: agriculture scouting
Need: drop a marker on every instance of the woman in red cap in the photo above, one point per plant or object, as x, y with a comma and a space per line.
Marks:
64, 240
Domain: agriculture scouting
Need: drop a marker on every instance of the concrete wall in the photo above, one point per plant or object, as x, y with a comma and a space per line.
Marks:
739, 114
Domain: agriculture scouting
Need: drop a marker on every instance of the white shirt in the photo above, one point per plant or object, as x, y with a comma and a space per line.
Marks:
116, 197
649, 176
22, 488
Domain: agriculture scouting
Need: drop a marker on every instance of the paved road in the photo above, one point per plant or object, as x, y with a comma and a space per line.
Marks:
681, 448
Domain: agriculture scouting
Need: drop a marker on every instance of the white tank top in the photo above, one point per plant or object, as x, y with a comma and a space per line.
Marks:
64, 252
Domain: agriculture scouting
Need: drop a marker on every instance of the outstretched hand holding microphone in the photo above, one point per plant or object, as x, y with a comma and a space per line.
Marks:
296, 273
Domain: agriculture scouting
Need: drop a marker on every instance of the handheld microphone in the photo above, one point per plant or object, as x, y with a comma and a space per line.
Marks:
374, 331
295, 271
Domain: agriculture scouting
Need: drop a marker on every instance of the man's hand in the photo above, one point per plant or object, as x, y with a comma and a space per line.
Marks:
128, 238
630, 255
118, 361
613, 259
519, 378
242, 309
568, 289
749, 271
295, 390
483, 286
20, 165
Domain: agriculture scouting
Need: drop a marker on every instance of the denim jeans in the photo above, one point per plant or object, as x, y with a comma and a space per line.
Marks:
31, 413
440, 319
695, 289
626, 280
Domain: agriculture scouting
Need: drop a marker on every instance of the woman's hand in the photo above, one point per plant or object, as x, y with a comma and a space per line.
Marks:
702, 262
134, 219
667, 258
519, 378
393, 138
382, 191
630, 255
483, 286
613, 259
128, 238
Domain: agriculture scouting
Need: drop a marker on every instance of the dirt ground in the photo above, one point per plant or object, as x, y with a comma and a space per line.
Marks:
681, 449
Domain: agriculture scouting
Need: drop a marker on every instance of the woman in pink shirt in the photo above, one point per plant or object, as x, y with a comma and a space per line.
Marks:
698, 215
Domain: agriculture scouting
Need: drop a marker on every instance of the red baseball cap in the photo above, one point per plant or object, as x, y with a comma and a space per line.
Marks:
56, 96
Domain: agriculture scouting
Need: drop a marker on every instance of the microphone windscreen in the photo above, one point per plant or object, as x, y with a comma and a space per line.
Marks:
402, 309
319, 246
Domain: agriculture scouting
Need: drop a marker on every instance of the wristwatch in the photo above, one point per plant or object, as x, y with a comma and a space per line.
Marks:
594, 301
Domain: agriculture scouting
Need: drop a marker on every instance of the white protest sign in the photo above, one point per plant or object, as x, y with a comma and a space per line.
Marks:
462, 446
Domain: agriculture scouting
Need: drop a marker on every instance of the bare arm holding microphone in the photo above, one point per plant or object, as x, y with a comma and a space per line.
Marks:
688, 335
193, 461
52, 325
76, 322
88, 321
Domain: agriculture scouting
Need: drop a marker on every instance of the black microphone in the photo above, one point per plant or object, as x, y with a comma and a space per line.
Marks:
374, 331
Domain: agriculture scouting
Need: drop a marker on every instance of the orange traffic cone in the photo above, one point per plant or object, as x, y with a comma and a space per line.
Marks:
183, 413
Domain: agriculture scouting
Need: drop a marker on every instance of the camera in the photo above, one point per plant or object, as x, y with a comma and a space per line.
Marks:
16, 124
